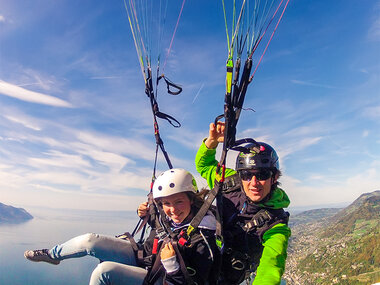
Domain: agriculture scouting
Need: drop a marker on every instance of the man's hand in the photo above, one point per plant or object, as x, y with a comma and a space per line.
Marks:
216, 135
167, 251
142, 210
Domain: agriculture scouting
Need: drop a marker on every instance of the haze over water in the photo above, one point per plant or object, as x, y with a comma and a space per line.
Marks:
48, 228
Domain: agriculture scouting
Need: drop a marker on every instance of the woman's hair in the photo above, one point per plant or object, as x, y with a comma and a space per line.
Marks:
198, 198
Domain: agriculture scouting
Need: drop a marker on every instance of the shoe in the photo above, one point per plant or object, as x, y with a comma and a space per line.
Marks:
40, 255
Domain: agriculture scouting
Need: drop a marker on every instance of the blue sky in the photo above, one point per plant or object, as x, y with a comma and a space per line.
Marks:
76, 126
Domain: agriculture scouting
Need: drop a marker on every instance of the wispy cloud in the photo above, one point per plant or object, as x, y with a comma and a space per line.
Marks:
374, 30
337, 192
23, 94
59, 159
307, 83
372, 112
2, 19
23, 121
298, 145
105, 77
199, 92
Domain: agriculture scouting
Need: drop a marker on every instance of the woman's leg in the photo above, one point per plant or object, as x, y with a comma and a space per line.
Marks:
107, 273
105, 248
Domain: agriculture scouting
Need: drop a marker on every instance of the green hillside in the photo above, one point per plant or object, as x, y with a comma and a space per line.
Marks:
340, 249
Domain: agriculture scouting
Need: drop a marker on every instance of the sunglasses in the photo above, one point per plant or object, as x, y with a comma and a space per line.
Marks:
247, 175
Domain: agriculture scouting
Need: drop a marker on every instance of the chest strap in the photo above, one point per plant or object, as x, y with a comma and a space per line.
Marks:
264, 219
157, 270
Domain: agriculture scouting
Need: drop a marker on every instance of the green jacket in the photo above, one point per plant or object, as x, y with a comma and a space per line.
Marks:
275, 240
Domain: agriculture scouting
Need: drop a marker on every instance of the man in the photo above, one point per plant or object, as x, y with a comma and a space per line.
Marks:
255, 227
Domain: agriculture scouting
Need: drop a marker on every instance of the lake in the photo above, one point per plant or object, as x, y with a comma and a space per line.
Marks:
49, 227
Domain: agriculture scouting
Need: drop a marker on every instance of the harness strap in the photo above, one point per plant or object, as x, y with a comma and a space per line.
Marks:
203, 210
158, 269
170, 84
157, 114
182, 264
239, 92
142, 223
139, 252
221, 185
258, 220
232, 183
264, 219
155, 271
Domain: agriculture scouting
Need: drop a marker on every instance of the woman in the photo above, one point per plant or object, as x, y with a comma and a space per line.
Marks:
175, 193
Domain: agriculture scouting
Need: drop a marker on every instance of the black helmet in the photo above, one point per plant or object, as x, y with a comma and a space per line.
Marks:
266, 158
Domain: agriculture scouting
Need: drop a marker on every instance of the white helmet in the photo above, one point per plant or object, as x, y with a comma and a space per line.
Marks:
174, 181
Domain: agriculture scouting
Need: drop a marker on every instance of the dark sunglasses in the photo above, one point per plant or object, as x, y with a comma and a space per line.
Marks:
247, 175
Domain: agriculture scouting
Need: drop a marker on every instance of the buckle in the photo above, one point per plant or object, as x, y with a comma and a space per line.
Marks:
183, 240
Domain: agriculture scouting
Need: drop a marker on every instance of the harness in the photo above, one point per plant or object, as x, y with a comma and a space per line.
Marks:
179, 244
157, 269
241, 258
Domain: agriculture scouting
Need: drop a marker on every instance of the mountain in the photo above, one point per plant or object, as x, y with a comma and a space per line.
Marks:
311, 216
9, 214
336, 248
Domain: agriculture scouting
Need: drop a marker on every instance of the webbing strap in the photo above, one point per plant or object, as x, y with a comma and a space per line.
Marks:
203, 210
258, 220
155, 271
158, 114
170, 84
141, 225
138, 252
182, 264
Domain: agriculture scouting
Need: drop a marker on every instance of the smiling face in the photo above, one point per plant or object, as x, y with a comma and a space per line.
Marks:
255, 188
177, 207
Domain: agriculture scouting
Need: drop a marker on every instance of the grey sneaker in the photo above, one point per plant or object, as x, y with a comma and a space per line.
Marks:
40, 255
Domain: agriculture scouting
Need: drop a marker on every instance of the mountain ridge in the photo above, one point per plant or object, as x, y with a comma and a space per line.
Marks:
10, 214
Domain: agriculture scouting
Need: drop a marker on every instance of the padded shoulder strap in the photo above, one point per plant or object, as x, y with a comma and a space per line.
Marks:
265, 219
232, 183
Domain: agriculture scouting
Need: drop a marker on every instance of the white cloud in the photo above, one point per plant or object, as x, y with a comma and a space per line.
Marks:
299, 145
135, 148
2, 19
335, 192
23, 94
53, 197
26, 122
372, 112
59, 159
187, 138
374, 30
111, 160
307, 83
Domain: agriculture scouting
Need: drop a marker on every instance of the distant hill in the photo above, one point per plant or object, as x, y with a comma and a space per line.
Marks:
336, 248
9, 214
311, 216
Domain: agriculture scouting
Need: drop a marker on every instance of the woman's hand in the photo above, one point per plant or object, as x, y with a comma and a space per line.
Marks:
142, 210
216, 135
167, 251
